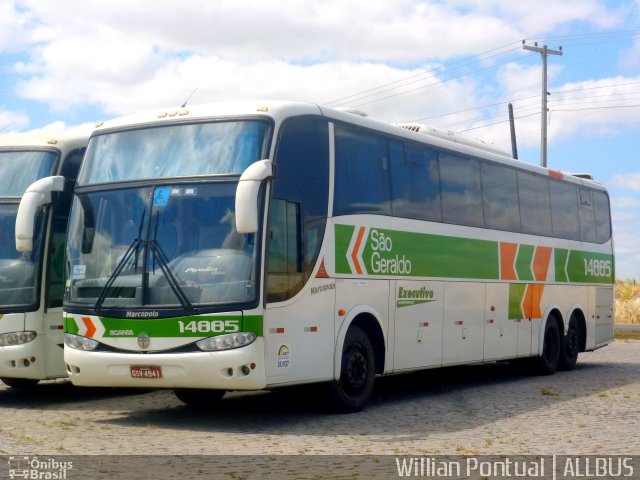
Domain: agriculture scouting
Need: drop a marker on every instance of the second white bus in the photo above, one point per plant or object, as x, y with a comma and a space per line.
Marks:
37, 176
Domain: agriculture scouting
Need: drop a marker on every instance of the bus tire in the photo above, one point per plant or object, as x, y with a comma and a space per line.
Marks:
547, 363
570, 346
19, 383
199, 397
353, 390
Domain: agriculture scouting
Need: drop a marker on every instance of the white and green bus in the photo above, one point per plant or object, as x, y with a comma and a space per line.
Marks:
37, 176
247, 246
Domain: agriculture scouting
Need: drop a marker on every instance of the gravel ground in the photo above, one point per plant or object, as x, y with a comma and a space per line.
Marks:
482, 409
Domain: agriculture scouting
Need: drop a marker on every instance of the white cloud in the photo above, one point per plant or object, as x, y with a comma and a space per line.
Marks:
12, 121
629, 181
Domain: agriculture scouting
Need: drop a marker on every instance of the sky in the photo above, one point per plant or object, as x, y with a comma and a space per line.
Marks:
451, 64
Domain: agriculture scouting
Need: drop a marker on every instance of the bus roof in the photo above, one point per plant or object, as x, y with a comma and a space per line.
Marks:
71, 139
280, 110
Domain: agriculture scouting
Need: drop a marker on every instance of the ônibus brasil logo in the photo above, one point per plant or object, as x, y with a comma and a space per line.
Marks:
371, 251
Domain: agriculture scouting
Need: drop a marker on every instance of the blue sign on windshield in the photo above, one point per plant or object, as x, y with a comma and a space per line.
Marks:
161, 196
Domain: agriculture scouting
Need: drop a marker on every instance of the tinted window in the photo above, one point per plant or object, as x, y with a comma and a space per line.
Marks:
362, 174
415, 183
500, 197
461, 194
587, 216
603, 221
564, 210
535, 211
175, 150
299, 205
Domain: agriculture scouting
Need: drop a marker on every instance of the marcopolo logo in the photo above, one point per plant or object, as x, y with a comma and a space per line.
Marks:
134, 314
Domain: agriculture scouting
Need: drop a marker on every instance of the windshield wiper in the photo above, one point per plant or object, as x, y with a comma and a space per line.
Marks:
159, 255
133, 248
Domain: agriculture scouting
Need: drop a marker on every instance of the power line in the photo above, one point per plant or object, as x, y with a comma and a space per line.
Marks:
450, 67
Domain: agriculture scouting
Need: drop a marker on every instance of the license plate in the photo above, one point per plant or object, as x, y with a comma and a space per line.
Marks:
146, 372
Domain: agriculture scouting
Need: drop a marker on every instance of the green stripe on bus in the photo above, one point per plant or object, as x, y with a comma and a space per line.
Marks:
516, 294
560, 260
70, 325
196, 326
343, 234
410, 254
523, 262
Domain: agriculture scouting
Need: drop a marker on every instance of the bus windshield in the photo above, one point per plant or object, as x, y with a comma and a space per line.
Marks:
176, 150
19, 272
153, 246
19, 169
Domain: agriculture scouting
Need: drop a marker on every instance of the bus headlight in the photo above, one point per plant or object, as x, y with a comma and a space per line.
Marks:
226, 342
16, 338
79, 342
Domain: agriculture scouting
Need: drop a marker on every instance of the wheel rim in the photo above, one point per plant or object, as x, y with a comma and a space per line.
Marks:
572, 340
356, 369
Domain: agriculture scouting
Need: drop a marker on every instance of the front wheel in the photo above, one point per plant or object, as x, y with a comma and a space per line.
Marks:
353, 390
19, 383
547, 363
199, 397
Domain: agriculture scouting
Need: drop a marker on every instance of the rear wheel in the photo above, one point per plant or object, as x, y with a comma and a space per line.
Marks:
570, 346
353, 390
547, 363
19, 383
199, 397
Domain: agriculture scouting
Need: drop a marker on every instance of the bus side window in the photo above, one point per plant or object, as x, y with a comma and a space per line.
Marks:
55, 268
284, 259
587, 216
461, 190
415, 182
298, 208
535, 208
603, 220
500, 197
564, 210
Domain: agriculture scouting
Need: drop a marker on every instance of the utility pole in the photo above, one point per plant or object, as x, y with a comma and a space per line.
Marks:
512, 129
544, 51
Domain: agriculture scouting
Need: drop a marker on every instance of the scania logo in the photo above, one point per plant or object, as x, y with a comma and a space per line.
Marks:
144, 341
132, 314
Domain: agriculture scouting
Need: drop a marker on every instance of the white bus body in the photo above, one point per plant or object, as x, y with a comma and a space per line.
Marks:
361, 248
37, 176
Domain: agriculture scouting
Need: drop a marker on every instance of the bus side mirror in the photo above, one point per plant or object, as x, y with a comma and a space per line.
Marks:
37, 195
247, 195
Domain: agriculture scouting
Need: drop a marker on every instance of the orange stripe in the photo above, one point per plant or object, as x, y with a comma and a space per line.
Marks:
556, 174
91, 328
507, 258
541, 263
532, 299
354, 253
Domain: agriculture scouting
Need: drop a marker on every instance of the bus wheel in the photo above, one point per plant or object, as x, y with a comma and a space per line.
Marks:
199, 397
547, 363
19, 383
570, 346
357, 373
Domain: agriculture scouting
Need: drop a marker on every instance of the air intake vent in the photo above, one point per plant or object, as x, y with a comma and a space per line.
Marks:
452, 137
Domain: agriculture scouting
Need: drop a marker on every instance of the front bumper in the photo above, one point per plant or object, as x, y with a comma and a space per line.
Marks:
237, 369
